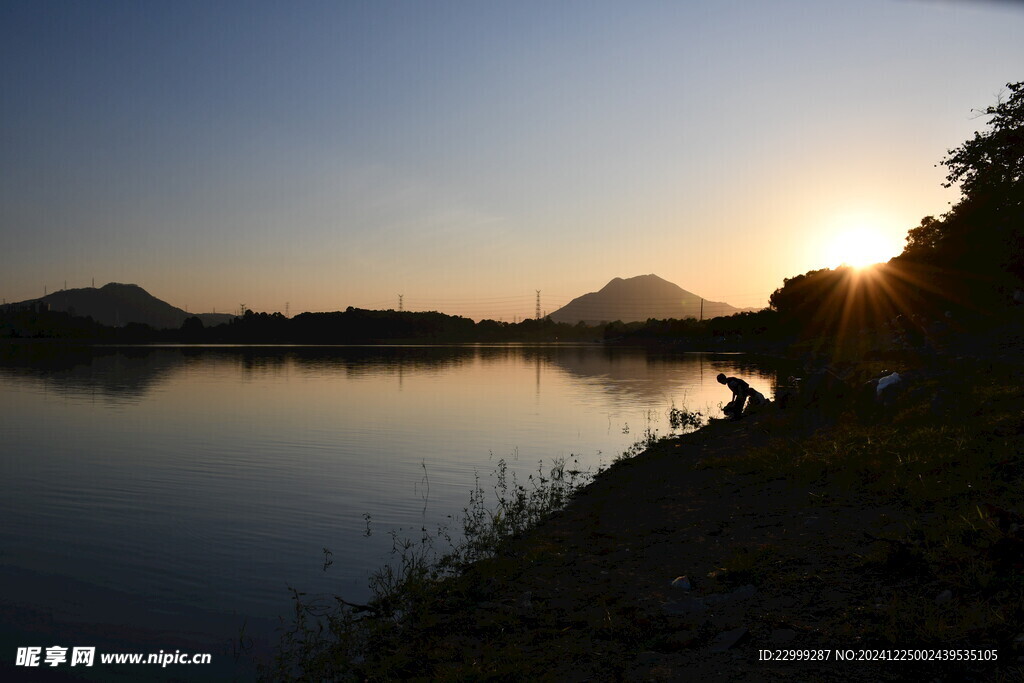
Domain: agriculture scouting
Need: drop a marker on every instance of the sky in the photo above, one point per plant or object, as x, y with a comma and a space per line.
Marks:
310, 156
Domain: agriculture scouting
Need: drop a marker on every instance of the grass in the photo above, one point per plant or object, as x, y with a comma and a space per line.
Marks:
333, 639
956, 475
418, 595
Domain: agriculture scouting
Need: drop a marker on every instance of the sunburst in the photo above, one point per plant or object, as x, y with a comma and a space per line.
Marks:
860, 247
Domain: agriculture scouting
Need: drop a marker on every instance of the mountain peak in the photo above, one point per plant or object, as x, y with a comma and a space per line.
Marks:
112, 286
639, 298
645, 285
118, 304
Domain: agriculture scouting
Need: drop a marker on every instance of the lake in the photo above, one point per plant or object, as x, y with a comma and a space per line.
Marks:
168, 497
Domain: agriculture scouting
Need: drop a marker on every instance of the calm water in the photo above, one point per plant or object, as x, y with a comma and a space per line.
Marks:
153, 497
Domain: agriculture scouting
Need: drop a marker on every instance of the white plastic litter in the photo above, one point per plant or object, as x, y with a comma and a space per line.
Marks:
888, 380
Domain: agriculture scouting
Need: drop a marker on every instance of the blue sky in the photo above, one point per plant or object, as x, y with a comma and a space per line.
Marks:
465, 154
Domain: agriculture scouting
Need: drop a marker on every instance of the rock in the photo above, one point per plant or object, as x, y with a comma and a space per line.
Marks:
728, 639
944, 597
781, 636
682, 583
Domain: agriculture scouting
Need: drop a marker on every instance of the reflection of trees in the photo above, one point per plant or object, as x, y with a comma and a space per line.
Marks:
365, 361
131, 372
112, 372
652, 376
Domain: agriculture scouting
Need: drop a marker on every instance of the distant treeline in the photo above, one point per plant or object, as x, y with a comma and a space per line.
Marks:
352, 326
360, 326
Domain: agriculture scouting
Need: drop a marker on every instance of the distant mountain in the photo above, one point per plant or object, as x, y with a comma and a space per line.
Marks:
116, 304
637, 299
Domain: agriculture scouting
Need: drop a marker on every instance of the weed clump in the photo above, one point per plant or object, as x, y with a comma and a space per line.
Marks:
681, 419
329, 638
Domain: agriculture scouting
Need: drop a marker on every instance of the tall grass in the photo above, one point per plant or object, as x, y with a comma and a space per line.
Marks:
332, 638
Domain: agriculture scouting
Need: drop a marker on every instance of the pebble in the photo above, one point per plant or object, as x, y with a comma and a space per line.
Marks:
944, 597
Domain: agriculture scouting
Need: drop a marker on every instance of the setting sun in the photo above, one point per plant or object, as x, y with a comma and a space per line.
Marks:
860, 247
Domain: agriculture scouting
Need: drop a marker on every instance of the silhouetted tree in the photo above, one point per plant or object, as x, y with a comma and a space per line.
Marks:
991, 164
924, 237
974, 254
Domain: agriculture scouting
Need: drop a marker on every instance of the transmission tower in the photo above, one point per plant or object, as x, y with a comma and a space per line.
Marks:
286, 305
537, 314
400, 297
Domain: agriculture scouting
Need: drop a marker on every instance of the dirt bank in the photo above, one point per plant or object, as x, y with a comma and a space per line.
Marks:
773, 562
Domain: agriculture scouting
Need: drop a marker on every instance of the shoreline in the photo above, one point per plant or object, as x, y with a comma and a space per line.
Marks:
785, 547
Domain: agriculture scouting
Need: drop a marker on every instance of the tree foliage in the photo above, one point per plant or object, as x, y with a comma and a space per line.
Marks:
925, 237
992, 163
973, 255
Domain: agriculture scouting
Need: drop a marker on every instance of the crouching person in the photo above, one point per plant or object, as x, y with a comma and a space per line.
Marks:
741, 391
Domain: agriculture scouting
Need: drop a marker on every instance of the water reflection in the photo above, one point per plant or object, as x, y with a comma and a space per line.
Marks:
125, 374
130, 373
208, 479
